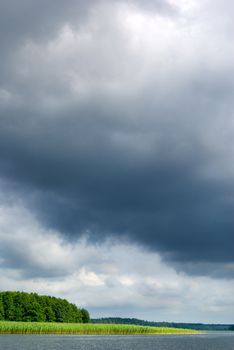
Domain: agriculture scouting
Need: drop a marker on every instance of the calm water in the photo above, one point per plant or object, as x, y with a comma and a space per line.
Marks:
189, 342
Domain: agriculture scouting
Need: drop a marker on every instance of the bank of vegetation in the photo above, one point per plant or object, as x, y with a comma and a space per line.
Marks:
84, 328
195, 326
30, 313
31, 307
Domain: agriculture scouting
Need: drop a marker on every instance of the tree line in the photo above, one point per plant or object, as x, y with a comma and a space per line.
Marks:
31, 307
195, 326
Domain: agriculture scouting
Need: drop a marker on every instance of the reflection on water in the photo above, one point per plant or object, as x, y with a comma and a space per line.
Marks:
211, 341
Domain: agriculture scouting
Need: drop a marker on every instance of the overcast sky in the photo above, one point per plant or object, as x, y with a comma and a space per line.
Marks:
117, 155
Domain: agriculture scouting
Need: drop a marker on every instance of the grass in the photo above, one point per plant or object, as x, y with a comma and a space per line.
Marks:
7, 327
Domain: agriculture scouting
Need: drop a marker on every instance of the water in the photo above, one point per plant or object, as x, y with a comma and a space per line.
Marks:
224, 341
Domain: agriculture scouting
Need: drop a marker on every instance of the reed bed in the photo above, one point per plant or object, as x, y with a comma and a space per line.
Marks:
8, 327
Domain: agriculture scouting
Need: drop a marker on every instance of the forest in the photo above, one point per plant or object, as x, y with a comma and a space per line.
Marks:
195, 326
31, 307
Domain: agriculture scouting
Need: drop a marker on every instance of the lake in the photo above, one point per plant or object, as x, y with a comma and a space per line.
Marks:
211, 341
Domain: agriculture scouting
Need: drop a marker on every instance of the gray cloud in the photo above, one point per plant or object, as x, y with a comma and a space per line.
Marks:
41, 20
121, 127
135, 282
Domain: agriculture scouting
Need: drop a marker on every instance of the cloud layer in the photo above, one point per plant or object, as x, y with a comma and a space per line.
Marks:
116, 125
133, 281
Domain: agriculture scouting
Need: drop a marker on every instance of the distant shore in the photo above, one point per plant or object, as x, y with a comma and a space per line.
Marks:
8, 327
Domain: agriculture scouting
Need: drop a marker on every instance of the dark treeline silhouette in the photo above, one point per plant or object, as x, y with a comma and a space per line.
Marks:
31, 307
195, 326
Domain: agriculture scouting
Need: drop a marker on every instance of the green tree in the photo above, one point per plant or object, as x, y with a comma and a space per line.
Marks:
18, 306
49, 314
85, 316
31, 307
34, 312
1, 309
9, 310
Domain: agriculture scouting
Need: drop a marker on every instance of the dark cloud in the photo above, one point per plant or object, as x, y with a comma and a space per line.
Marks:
38, 19
147, 165
214, 270
42, 19
25, 21
79, 180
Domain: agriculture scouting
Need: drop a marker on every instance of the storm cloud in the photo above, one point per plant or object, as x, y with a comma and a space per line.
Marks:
116, 125
133, 281
116, 155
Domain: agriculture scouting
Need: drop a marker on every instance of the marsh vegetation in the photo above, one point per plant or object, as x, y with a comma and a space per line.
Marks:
7, 327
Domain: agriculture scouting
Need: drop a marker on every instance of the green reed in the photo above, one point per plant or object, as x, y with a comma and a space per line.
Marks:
7, 327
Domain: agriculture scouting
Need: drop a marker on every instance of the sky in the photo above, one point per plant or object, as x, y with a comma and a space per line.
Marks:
117, 155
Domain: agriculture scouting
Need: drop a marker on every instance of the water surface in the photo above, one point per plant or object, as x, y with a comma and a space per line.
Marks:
214, 341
